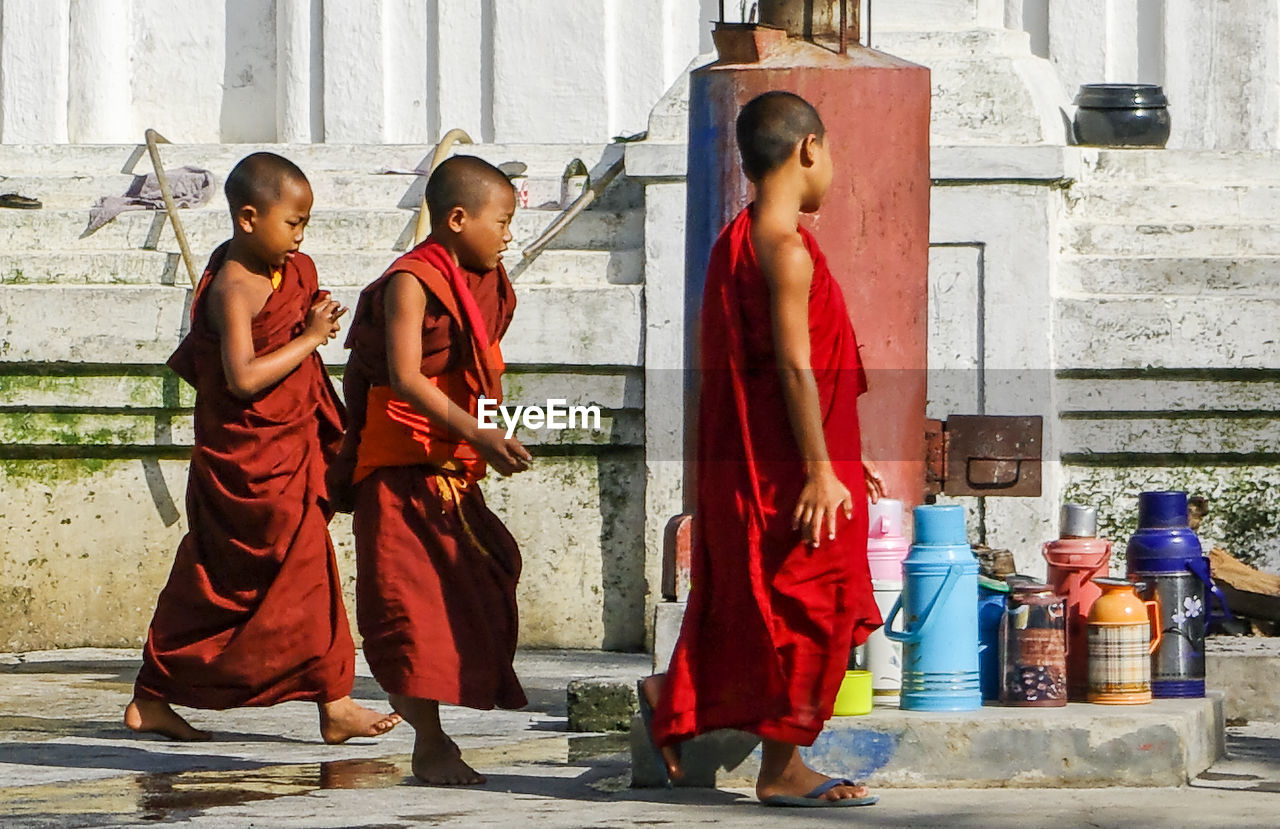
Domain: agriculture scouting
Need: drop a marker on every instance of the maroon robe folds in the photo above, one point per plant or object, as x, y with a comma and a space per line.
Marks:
436, 569
770, 621
252, 613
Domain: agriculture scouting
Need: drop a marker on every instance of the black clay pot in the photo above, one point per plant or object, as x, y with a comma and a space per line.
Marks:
1122, 115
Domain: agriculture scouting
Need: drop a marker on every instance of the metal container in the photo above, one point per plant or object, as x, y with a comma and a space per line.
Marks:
1123, 633
940, 604
1033, 648
1165, 556
1122, 115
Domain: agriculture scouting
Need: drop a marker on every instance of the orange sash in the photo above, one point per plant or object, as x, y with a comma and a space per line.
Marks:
396, 435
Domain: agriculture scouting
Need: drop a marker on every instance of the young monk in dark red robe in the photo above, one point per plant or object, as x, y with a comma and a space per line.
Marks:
781, 587
436, 570
252, 613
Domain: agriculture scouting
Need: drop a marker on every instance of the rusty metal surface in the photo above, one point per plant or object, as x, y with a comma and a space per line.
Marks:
993, 455
814, 19
935, 456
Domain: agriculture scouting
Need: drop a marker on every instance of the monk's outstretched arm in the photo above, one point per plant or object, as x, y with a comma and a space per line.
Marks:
405, 307
788, 269
233, 303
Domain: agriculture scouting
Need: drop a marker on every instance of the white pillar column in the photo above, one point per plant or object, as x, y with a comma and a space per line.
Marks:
355, 73
33, 71
299, 73
408, 52
1078, 41
100, 102
462, 70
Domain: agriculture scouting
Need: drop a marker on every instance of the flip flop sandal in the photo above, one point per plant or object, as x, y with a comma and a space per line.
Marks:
646, 717
18, 202
814, 799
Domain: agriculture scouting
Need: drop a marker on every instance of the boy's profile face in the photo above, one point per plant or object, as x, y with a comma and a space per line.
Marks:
482, 235
276, 228
815, 159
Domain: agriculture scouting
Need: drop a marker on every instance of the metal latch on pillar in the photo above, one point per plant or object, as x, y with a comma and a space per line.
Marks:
984, 455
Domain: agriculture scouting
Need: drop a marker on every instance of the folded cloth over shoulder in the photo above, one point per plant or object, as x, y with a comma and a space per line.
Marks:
191, 187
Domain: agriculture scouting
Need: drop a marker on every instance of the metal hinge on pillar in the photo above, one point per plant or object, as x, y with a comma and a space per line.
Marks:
984, 455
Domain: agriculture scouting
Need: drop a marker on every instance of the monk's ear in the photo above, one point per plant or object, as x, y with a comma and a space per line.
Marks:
456, 218
808, 149
245, 218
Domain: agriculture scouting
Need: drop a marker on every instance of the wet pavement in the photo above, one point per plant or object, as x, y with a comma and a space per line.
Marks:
65, 761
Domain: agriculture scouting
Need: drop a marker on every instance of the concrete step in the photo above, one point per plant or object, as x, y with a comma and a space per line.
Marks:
1094, 393
1208, 168
1166, 743
354, 269
107, 159
1234, 276
1136, 332
345, 189
141, 325
1211, 433
1174, 202
331, 230
176, 429
125, 389
1207, 239
949, 43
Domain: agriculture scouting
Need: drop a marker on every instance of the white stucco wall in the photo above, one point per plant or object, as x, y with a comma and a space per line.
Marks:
1218, 60
404, 71
377, 71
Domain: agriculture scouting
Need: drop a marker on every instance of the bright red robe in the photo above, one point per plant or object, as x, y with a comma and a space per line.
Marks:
436, 569
770, 621
252, 613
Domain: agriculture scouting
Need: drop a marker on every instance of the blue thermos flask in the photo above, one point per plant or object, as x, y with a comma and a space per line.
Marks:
939, 603
1165, 556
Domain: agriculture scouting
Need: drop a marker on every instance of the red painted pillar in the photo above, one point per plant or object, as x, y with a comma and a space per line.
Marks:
873, 227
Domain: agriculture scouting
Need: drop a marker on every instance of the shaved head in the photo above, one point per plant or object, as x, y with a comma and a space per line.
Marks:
259, 180
770, 127
462, 181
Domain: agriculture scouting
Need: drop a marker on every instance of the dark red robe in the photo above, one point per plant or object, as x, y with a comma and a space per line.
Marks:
252, 613
770, 621
436, 569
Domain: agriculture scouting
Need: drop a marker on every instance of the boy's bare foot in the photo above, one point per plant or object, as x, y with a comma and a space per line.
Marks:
438, 762
343, 719
782, 772
651, 687
154, 717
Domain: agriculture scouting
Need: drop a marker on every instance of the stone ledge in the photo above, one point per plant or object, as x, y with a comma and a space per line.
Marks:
1166, 743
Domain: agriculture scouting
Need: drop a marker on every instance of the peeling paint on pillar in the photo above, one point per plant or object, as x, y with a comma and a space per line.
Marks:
873, 227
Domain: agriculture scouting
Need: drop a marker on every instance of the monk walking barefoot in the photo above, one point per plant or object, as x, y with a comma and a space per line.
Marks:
781, 586
436, 570
252, 613
155, 717
343, 719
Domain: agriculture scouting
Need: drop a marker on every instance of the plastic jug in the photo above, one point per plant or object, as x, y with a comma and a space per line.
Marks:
940, 604
1074, 561
1123, 633
886, 548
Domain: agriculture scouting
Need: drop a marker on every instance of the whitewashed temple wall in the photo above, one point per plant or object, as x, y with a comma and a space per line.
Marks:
339, 71
405, 71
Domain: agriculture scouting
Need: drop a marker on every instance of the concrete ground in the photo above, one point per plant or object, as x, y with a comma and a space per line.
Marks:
66, 761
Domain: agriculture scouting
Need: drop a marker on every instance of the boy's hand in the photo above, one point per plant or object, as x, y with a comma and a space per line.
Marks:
322, 321
821, 499
875, 484
504, 454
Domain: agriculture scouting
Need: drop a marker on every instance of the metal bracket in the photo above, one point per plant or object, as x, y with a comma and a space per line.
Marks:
984, 455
